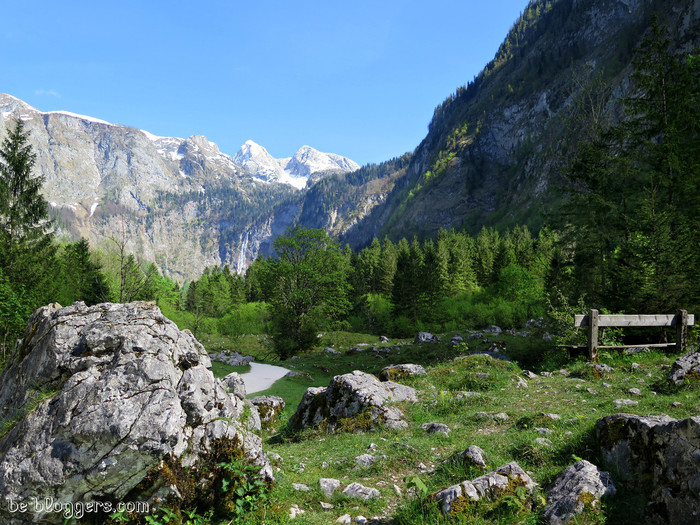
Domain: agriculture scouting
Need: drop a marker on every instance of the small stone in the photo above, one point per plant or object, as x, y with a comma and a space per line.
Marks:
544, 431
326, 506
501, 416
521, 383
546, 374
601, 367
345, 519
482, 375
372, 446
530, 375
543, 441
274, 456
421, 466
635, 366
635, 391
295, 511
360, 520
607, 385
365, 460
591, 391
398, 490
676, 404
357, 490
553, 417
383, 339
301, 487
619, 403
328, 486
436, 428
564, 372
331, 351
475, 456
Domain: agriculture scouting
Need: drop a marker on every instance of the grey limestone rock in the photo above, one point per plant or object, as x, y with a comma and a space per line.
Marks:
397, 372
269, 407
436, 428
658, 456
349, 395
489, 486
234, 383
232, 358
601, 367
475, 456
426, 337
119, 391
357, 490
578, 487
686, 367
328, 486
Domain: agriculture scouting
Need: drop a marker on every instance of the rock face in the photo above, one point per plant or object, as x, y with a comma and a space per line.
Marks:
686, 368
580, 486
658, 456
109, 401
354, 401
489, 486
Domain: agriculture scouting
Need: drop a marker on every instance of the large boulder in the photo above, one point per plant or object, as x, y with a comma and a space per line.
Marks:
658, 456
114, 403
354, 402
579, 487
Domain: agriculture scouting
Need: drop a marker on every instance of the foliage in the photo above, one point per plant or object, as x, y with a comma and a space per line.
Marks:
308, 286
630, 222
26, 243
241, 487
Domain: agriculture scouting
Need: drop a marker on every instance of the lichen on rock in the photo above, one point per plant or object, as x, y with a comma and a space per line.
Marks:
353, 402
131, 399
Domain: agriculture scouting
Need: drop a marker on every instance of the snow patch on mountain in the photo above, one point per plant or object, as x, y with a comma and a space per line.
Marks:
295, 170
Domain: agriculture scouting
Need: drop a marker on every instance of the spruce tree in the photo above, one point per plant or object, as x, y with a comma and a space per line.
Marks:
26, 241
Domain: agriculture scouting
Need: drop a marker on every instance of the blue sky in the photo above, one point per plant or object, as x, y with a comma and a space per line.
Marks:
358, 78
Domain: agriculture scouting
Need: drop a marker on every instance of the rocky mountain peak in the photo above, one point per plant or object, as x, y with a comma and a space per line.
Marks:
306, 163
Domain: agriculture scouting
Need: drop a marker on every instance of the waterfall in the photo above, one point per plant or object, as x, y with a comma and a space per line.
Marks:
240, 265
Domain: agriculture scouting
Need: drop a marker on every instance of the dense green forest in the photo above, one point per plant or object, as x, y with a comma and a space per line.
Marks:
623, 239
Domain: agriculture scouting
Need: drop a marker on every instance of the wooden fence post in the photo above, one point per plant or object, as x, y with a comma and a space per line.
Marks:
593, 335
681, 330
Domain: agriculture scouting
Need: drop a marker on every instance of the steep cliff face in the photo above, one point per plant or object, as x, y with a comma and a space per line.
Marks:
495, 147
178, 202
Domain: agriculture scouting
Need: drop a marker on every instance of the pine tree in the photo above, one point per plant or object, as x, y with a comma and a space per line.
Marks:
26, 243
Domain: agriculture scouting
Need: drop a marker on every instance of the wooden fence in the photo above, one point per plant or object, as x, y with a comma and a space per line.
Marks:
593, 320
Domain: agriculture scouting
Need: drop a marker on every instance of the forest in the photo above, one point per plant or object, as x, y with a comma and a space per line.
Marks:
622, 239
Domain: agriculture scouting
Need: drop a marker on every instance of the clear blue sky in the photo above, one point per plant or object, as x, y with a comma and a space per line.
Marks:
359, 78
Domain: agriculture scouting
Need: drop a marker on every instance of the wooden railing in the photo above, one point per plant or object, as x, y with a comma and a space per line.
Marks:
593, 320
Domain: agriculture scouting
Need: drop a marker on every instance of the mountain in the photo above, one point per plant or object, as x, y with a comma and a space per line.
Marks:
493, 153
496, 147
306, 164
178, 202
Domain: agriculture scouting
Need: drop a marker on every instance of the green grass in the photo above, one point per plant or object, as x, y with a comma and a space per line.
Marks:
313, 454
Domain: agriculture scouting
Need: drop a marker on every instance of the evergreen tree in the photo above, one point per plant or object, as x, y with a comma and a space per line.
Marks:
81, 276
26, 243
